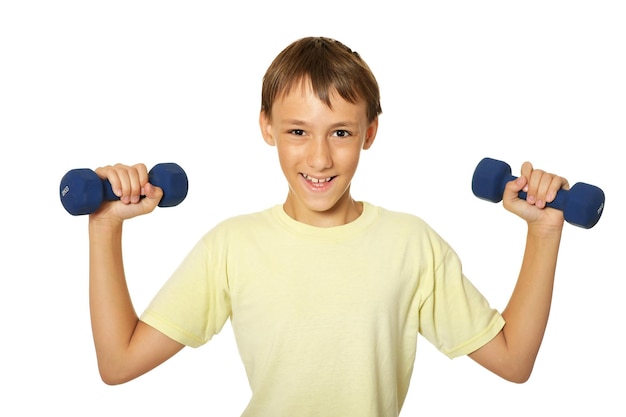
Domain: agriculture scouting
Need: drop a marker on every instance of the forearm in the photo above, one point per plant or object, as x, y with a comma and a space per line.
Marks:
113, 317
512, 353
528, 309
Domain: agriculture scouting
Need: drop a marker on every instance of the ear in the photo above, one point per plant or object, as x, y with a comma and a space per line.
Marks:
370, 135
266, 129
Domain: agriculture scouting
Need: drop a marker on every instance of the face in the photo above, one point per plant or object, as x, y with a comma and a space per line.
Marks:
319, 149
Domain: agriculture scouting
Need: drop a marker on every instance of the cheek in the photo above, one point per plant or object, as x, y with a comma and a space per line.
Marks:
348, 158
288, 156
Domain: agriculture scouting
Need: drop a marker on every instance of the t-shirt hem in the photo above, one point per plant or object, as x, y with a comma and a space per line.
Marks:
478, 341
170, 330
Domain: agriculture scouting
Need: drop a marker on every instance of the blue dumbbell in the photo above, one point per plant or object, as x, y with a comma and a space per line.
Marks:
582, 205
82, 191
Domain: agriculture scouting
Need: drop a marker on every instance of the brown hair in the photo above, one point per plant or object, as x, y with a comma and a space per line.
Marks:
328, 65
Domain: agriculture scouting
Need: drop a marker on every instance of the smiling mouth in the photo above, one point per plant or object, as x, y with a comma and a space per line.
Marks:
317, 180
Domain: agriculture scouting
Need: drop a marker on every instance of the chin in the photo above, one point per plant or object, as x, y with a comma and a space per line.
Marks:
320, 206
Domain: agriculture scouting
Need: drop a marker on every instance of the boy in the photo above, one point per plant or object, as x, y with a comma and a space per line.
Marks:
326, 294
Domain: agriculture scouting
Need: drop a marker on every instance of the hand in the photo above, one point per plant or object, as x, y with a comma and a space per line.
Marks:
130, 184
540, 188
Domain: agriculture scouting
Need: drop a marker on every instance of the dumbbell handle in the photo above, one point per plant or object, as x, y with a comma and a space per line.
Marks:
108, 194
82, 190
558, 202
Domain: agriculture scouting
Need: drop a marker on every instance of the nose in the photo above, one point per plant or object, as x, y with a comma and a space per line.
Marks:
319, 155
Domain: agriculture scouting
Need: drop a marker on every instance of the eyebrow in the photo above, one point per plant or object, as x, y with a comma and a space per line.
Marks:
299, 122
293, 122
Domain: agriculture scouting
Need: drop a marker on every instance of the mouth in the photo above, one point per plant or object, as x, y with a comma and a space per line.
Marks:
314, 180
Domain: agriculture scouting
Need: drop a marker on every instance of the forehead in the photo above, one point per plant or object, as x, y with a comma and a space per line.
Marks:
301, 95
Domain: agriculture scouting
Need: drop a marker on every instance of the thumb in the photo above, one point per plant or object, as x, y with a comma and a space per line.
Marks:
153, 193
511, 192
512, 189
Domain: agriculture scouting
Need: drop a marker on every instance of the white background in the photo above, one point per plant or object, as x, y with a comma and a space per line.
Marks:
85, 84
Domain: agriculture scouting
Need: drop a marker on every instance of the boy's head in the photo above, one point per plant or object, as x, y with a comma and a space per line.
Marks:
329, 66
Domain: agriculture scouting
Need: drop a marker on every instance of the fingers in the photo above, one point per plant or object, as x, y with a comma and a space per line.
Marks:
541, 187
127, 182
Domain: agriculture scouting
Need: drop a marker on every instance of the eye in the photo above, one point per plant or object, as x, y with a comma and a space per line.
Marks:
297, 132
342, 133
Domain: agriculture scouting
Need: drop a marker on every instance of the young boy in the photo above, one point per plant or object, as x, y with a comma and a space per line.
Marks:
326, 294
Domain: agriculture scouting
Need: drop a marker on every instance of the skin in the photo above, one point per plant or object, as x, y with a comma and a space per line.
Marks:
125, 346
512, 353
315, 143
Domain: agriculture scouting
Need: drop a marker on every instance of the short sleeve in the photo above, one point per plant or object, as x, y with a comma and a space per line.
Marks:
455, 317
194, 303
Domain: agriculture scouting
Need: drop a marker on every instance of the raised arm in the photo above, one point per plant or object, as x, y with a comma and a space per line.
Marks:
125, 346
512, 353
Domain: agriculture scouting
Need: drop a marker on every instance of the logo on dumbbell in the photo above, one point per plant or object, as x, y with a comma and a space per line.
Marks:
600, 208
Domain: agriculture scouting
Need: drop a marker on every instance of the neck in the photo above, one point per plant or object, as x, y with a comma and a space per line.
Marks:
341, 213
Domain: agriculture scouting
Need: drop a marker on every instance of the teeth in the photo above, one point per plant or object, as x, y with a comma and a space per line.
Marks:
316, 180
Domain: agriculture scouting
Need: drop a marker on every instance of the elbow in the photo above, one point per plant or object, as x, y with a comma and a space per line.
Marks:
112, 375
517, 375
518, 379
110, 378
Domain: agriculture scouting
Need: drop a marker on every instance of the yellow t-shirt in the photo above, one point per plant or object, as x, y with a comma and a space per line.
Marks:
326, 319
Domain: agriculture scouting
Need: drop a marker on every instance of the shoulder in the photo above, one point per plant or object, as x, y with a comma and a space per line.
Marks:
241, 225
407, 227
246, 219
399, 220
